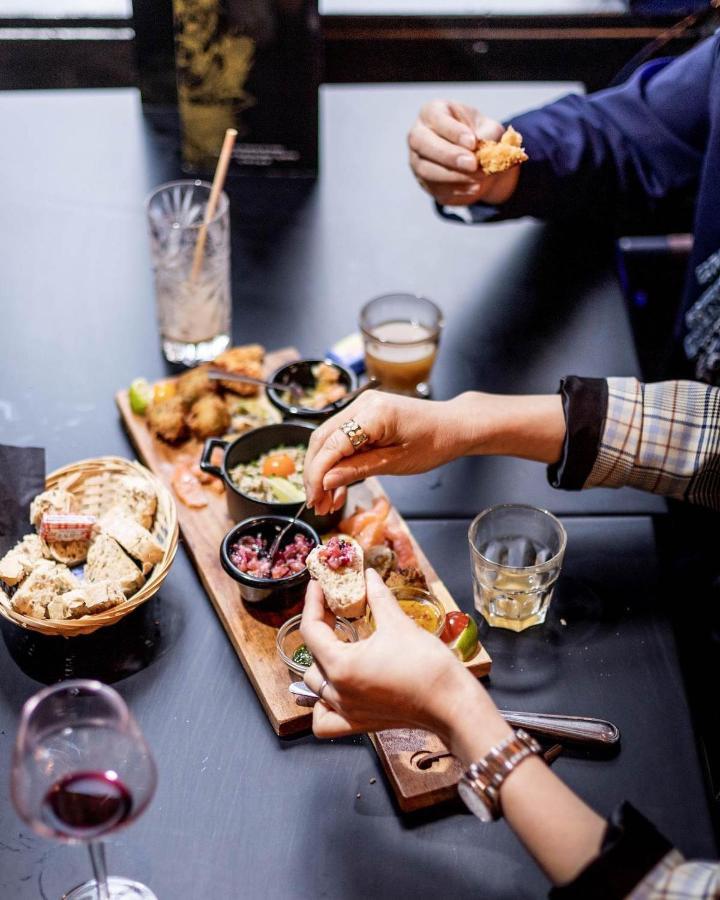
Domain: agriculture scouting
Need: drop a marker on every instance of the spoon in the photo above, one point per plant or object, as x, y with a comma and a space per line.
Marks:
275, 546
220, 375
348, 398
341, 402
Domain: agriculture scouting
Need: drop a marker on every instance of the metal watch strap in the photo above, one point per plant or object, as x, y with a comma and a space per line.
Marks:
486, 776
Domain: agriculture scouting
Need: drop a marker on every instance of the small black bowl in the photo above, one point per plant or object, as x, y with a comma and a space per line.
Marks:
280, 591
301, 373
247, 448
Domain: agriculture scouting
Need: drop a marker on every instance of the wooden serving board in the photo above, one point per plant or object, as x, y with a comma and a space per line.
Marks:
253, 634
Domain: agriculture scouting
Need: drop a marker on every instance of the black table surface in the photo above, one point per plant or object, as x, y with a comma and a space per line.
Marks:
524, 305
239, 812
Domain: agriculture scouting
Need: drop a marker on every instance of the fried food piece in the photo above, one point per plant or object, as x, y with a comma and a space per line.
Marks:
194, 384
499, 156
209, 417
409, 577
253, 352
167, 420
53, 501
382, 559
242, 361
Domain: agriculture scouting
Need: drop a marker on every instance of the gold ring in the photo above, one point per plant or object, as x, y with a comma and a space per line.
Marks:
355, 433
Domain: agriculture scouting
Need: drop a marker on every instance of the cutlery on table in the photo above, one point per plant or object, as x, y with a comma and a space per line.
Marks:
220, 375
580, 729
295, 389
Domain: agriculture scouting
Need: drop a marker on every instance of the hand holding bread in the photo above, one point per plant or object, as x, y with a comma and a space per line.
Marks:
460, 156
339, 569
399, 677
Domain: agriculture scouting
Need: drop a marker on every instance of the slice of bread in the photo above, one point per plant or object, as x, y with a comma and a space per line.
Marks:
56, 500
132, 537
46, 582
344, 588
138, 498
21, 560
107, 561
70, 553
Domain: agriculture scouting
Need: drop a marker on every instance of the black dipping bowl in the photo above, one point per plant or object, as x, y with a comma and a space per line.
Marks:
247, 448
283, 591
301, 373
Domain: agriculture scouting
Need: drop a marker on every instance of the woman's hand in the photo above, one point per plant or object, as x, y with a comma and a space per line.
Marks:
400, 676
403, 677
406, 436
442, 145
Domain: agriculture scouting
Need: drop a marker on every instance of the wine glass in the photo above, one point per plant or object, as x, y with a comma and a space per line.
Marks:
81, 769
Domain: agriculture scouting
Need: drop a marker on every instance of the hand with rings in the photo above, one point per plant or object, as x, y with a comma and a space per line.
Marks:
379, 434
400, 676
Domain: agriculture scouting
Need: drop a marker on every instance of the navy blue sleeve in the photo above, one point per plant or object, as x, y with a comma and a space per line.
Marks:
624, 148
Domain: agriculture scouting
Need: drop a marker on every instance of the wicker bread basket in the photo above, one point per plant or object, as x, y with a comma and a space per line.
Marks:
94, 483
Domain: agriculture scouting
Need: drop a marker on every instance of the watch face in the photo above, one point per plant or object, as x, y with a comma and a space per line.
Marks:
474, 801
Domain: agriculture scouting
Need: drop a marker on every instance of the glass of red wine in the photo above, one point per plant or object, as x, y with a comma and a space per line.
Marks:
81, 770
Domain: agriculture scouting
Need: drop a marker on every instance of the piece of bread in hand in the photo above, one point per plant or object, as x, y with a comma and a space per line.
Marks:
338, 567
499, 156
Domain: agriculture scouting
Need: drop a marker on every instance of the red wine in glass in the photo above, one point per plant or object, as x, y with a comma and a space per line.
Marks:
82, 770
85, 805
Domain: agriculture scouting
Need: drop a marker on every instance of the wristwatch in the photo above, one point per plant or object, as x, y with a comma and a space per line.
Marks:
479, 786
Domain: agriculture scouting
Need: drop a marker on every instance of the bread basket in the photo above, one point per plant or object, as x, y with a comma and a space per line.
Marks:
94, 483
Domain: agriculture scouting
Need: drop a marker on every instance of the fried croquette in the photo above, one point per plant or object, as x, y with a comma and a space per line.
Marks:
167, 420
195, 384
208, 417
499, 156
242, 361
409, 577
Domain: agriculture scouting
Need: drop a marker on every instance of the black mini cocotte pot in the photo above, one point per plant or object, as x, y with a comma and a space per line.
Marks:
300, 372
280, 591
245, 449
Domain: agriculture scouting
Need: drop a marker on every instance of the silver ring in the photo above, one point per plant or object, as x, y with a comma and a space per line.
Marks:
354, 433
321, 689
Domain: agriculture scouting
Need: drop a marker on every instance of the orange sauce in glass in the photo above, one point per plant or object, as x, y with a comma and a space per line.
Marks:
401, 363
423, 614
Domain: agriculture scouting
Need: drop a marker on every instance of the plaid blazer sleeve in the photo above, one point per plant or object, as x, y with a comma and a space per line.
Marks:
675, 879
663, 438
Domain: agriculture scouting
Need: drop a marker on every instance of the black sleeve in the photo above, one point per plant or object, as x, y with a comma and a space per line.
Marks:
584, 403
631, 848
